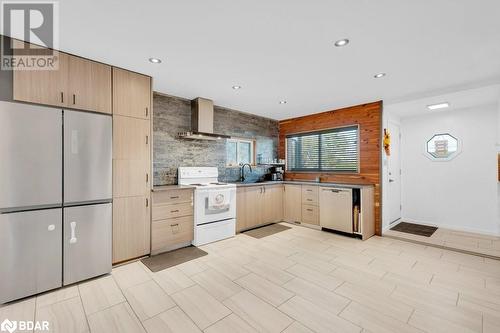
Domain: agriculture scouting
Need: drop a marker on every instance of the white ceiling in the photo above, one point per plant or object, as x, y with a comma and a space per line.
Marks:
283, 49
458, 100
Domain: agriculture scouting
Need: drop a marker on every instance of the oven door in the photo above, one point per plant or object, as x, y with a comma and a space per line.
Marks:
214, 204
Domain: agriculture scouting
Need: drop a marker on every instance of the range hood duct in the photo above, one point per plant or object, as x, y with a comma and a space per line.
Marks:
202, 121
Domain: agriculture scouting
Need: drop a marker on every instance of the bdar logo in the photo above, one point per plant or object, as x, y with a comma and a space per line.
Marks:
8, 326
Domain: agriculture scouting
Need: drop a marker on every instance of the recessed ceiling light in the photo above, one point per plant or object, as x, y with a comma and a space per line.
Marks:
236, 87
438, 106
379, 75
154, 60
341, 42
283, 102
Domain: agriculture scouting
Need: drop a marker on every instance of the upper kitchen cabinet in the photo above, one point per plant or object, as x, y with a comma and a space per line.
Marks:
131, 94
89, 85
77, 83
43, 86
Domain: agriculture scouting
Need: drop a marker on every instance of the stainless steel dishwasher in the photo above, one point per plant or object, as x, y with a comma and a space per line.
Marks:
336, 208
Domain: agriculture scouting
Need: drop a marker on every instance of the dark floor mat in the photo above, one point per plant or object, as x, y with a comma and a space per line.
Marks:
169, 259
267, 230
415, 229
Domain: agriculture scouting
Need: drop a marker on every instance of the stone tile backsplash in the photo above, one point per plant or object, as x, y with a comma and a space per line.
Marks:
173, 115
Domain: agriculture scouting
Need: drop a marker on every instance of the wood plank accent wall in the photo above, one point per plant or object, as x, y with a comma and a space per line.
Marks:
369, 118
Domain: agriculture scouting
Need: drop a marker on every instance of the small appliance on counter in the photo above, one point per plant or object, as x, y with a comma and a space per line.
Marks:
276, 173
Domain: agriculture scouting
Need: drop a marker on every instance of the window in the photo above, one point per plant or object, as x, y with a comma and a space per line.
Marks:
239, 151
442, 147
333, 150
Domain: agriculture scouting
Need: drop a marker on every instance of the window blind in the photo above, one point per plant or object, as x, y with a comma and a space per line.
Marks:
334, 150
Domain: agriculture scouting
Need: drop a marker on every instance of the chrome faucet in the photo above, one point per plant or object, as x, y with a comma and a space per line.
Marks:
242, 171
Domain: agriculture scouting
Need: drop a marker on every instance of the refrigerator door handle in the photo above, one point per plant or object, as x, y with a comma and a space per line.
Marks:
73, 238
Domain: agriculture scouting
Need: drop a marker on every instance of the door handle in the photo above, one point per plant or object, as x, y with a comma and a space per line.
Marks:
74, 99
73, 238
62, 97
147, 177
174, 211
146, 111
391, 180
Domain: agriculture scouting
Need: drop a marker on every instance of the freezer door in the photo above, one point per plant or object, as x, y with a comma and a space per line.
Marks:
87, 242
31, 157
87, 157
31, 253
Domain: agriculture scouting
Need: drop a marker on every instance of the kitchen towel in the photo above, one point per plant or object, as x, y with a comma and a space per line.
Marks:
218, 200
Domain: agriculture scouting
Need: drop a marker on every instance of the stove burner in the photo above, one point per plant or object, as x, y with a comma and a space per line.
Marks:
218, 183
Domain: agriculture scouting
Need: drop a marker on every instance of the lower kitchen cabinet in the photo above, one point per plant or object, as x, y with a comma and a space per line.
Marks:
273, 203
131, 228
172, 223
254, 199
258, 205
292, 203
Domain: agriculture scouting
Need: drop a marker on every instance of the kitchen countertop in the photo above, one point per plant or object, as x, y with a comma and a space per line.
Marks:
238, 184
301, 182
171, 187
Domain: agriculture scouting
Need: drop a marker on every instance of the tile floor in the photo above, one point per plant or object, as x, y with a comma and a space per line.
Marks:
299, 280
459, 240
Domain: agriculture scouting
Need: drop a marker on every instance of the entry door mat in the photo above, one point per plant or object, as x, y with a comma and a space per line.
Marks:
415, 229
173, 258
267, 230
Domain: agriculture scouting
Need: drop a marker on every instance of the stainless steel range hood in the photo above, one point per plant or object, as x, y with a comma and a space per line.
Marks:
202, 121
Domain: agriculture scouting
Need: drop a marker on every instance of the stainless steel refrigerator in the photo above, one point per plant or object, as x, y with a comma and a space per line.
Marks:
55, 198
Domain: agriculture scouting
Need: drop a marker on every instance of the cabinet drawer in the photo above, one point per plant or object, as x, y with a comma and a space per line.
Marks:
172, 196
169, 232
161, 212
309, 195
310, 214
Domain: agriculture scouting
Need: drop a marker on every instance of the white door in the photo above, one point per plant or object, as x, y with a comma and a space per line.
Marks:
394, 170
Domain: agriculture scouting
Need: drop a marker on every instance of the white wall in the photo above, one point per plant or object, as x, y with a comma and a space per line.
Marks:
462, 193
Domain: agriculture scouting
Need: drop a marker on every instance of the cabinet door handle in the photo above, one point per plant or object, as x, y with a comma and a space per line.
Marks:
147, 177
264, 189
147, 202
309, 210
309, 199
147, 139
74, 99
174, 211
309, 190
174, 225
147, 111
176, 197
62, 97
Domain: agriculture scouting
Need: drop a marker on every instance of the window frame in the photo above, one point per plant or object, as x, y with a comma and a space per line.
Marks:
252, 143
326, 130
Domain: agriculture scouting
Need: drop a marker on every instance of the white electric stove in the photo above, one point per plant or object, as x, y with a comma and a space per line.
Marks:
214, 204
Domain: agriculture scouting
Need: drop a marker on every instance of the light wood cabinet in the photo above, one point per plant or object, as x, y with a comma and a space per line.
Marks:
131, 173
273, 203
131, 94
310, 214
254, 200
258, 205
77, 83
131, 228
241, 209
172, 220
43, 86
89, 85
292, 203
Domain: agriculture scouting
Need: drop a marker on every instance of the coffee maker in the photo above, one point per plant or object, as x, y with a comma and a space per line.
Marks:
276, 173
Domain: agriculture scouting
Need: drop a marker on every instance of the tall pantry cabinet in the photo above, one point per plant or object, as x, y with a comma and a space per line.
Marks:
131, 165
